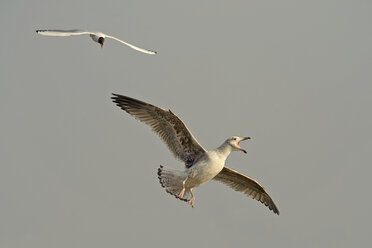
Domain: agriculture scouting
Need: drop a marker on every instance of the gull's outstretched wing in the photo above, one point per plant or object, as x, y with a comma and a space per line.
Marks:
132, 46
63, 32
247, 185
167, 125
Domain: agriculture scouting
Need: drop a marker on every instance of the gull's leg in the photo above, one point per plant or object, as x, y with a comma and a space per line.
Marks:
192, 201
183, 189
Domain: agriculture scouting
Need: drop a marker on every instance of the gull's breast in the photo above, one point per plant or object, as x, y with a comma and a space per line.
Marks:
203, 171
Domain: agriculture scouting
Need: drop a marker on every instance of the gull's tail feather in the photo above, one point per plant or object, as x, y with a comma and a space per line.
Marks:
171, 180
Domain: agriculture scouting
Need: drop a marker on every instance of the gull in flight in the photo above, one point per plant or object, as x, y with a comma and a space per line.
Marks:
96, 36
200, 165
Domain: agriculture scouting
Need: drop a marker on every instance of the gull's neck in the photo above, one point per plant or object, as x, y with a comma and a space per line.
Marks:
224, 150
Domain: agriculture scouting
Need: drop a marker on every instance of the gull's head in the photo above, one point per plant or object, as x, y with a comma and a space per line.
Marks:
234, 143
101, 40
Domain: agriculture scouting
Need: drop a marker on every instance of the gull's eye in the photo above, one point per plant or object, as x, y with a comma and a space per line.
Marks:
234, 138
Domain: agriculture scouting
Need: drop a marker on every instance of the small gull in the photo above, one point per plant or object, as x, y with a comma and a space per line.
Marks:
96, 36
200, 165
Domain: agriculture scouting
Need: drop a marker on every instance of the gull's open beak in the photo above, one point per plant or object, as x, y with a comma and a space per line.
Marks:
244, 138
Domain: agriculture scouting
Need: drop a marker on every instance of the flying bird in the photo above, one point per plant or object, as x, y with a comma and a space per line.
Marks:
200, 165
96, 36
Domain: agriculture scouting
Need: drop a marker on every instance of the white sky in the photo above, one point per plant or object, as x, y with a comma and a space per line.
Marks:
76, 171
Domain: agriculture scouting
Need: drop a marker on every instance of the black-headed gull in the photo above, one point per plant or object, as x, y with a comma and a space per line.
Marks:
200, 165
96, 36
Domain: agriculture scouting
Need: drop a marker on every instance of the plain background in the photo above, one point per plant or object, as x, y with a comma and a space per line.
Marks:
76, 171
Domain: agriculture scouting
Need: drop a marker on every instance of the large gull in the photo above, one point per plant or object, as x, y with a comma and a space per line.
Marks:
96, 36
200, 165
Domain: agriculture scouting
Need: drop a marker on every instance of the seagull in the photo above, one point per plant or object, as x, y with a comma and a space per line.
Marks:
96, 36
200, 165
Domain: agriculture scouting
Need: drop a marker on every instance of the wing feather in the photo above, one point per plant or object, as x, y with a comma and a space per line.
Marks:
55, 32
247, 185
132, 46
167, 125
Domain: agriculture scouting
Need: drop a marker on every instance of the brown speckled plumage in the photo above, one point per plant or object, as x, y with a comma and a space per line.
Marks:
247, 185
167, 125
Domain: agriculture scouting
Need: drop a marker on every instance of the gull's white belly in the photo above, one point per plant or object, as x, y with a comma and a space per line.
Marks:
203, 171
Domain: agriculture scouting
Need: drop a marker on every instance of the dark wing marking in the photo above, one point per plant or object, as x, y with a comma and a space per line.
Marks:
247, 185
167, 125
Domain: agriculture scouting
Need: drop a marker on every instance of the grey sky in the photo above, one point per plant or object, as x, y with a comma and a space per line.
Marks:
76, 171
